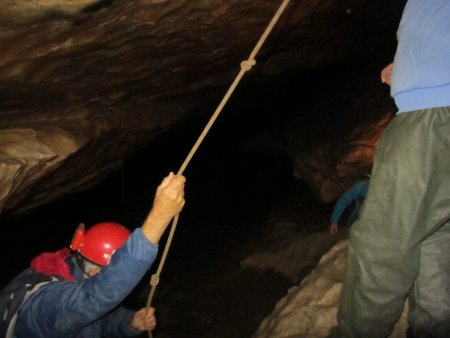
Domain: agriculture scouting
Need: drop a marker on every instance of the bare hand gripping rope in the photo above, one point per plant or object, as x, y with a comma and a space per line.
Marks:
246, 65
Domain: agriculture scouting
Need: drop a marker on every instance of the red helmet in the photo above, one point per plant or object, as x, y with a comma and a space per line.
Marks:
99, 242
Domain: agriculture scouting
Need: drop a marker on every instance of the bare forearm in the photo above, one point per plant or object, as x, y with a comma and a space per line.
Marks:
168, 202
154, 227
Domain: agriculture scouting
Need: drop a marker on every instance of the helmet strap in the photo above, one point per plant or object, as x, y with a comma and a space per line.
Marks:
84, 265
79, 263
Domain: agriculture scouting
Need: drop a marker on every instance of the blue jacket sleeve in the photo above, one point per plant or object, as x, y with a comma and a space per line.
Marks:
64, 308
116, 324
357, 191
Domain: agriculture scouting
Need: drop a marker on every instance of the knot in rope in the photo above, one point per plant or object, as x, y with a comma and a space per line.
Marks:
248, 64
245, 66
154, 280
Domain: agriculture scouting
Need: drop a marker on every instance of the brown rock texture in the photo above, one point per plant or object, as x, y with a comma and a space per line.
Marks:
309, 310
85, 83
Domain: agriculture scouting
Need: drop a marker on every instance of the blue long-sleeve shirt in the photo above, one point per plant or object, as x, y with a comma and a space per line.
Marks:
88, 308
355, 195
421, 72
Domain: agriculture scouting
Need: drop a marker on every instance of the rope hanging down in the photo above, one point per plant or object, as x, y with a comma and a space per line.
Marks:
246, 65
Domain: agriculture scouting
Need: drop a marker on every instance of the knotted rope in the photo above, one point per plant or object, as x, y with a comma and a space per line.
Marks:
246, 65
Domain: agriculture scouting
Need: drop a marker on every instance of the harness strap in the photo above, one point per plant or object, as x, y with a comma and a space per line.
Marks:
12, 322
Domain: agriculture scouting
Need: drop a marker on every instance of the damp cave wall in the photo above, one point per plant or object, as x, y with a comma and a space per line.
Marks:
267, 109
245, 166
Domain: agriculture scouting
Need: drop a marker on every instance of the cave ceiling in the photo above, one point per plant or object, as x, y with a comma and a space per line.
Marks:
85, 83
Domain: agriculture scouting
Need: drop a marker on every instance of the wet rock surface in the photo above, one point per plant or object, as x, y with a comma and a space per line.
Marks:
100, 99
87, 83
309, 309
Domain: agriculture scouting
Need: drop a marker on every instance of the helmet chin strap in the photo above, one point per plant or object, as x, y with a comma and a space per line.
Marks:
79, 262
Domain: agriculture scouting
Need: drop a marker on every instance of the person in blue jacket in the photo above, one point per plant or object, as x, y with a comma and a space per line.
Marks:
354, 196
399, 247
85, 300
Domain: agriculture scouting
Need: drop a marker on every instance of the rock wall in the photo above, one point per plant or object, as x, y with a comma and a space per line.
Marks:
309, 309
90, 76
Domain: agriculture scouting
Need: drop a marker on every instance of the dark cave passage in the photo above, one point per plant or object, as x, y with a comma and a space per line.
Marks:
101, 99
203, 292
240, 174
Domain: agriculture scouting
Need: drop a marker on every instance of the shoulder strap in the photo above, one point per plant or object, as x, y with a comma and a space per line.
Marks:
18, 290
12, 323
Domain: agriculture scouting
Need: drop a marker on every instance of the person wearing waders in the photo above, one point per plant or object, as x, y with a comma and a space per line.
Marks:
83, 299
400, 246
355, 195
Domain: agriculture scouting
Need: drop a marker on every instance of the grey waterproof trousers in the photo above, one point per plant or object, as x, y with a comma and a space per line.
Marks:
400, 246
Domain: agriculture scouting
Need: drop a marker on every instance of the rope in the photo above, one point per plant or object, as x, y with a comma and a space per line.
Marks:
246, 65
